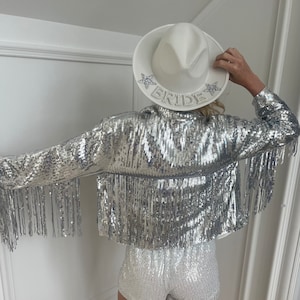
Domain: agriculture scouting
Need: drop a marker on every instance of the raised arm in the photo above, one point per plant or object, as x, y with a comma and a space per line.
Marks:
275, 126
240, 73
82, 155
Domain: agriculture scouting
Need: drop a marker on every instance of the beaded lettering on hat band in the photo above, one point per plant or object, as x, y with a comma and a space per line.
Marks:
175, 99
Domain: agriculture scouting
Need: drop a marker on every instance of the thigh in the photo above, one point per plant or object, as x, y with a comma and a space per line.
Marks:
197, 274
141, 276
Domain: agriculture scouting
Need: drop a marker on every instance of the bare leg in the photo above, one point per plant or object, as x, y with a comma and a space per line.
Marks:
121, 297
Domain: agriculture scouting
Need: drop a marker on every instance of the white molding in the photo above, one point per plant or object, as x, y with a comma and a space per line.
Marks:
38, 51
6, 274
206, 12
280, 44
279, 284
275, 77
286, 266
249, 258
295, 273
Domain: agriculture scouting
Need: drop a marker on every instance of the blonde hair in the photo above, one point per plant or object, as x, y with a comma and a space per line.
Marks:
214, 108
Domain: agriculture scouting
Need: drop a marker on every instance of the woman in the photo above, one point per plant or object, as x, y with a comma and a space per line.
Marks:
168, 177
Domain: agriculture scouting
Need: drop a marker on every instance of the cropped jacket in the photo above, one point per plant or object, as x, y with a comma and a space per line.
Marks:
164, 178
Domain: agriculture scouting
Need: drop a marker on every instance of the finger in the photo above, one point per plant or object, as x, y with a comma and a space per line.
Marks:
233, 52
224, 64
230, 50
236, 56
226, 57
222, 56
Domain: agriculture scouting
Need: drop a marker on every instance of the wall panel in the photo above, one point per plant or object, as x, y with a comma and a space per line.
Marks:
50, 91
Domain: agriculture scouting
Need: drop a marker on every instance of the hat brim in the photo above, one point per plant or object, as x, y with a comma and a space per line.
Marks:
214, 85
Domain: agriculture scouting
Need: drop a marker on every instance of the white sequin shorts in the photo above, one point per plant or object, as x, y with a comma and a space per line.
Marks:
177, 273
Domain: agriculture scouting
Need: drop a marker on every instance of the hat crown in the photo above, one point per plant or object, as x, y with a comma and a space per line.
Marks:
181, 59
173, 67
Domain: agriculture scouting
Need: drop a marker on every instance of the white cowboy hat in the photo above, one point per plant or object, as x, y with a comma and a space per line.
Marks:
172, 65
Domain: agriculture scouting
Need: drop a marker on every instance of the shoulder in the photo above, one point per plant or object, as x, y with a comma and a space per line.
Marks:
127, 120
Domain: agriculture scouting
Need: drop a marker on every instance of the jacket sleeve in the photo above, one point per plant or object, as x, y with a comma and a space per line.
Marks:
80, 156
275, 126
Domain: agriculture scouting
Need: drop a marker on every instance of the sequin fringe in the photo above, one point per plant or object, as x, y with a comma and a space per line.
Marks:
156, 213
139, 221
260, 176
260, 179
24, 211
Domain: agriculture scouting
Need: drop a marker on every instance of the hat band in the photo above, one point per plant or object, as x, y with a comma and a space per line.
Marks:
167, 97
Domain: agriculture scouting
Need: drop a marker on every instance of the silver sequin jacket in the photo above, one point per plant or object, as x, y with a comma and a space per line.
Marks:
165, 178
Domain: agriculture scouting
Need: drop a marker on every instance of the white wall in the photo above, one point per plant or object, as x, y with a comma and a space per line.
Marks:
57, 81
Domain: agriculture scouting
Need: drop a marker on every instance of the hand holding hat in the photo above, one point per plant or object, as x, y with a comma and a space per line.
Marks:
240, 73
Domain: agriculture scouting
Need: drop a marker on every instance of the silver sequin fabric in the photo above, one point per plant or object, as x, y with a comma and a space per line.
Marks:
165, 178
178, 273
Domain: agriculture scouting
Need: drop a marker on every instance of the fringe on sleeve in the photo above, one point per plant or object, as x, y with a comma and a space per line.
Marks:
25, 211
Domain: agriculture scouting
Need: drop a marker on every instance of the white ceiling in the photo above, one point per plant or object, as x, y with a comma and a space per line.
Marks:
128, 16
